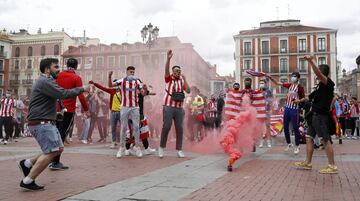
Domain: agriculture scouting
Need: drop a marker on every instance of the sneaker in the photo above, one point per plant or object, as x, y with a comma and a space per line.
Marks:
149, 151
161, 152
288, 147
113, 145
127, 152
70, 139
32, 186
180, 154
269, 143
261, 145
84, 141
5, 142
303, 165
58, 166
296, 150
119, 154
329, 170
25, 170
354, 137
138, 151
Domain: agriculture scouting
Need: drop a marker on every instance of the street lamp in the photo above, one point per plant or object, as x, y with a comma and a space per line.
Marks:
149, 34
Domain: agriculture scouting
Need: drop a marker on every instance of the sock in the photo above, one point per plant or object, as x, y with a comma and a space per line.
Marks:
28, 163
27, 180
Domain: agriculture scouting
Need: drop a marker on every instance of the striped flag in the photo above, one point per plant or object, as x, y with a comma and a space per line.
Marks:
233, 103
255, 73
276, 123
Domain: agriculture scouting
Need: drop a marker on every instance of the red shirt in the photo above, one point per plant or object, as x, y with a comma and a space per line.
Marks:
68, 80
173, 85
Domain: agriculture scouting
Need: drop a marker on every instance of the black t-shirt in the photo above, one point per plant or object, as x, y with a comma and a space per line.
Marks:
322, 97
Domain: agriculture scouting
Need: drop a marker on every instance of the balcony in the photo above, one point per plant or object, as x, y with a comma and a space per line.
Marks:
14, 82
3, 54
27, 82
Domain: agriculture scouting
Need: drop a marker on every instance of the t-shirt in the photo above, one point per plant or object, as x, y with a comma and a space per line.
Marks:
322, 97
296, 91
130, 89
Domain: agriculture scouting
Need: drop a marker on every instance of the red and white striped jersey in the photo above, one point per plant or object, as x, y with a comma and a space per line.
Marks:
7, 107
296, 91
173, 85
130, 89
233, 103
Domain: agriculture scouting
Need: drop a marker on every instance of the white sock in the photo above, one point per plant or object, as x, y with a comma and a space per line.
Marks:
27, 180
28, 163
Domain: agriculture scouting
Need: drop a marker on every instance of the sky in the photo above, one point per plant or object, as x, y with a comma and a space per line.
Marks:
208, 24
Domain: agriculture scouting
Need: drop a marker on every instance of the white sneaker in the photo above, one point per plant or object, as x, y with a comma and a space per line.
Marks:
119, 154
84, 141
296, 150
288, 147
261, 145
181, 154
161, 152
113, 145
5, 142
138, 151
269, 143
149, 151
127, 152
70, 139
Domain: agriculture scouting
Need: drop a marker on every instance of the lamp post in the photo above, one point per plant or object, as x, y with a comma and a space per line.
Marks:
149, 34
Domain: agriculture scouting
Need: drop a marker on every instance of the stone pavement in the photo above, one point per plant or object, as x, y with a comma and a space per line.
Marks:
95, 174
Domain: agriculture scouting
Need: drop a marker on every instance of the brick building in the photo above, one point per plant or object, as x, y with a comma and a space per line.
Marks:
5, 52
278, 48
95, 62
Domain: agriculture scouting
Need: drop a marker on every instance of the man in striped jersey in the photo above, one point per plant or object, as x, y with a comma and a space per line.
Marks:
176, 84
6, 117
295, 96
130, 87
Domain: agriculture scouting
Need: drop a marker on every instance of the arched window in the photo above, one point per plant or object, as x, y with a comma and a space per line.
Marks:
30, 51
56, 50
17, 52
42, 50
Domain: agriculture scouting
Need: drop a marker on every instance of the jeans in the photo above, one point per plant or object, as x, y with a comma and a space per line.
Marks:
133, 114
115, 118
291, 115
86, 128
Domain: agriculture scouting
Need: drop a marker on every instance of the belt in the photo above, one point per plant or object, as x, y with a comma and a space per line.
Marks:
115, 111
34, 123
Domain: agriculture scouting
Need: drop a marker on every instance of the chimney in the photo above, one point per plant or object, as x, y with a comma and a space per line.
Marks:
84, 37
39, 31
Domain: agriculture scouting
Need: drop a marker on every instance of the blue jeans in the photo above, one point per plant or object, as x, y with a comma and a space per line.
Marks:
291, 115
115, 118
47, 136
86, 128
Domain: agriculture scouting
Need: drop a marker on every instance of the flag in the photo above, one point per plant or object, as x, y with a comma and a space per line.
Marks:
276, 123
255, 73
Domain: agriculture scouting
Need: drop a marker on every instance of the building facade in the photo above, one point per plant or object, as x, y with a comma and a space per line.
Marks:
95, 62
5, 54
278, 47
27, 52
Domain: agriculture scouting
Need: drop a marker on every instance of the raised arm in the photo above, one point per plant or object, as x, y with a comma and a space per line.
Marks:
322, 78
167, 65
110, 79
274, 81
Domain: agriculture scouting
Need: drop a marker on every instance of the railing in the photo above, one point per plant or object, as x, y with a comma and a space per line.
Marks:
27, 82
14, 82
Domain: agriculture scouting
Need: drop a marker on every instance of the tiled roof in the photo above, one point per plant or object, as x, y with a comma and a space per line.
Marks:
283, 29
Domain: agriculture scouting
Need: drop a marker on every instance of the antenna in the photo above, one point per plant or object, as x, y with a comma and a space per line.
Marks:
277, 13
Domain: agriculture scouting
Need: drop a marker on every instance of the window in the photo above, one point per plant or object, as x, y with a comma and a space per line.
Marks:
99, 76
265, 47
56, 50
79, 62
100, 61
135, 60
146, 60
283, 65
122, 61
283, 90
111, 61
1, 65
29, 64
321, 44
265, 66
28, 92
1, 50
283, 46
247, 64
88, 62
303, 82
302, 45
43, 50
17, 64
17, 52
1, 79
29, 51
247, 48
28, 76
321, 60
16, 76
302, 65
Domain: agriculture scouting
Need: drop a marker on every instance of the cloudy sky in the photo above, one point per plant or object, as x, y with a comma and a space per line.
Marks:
208, 24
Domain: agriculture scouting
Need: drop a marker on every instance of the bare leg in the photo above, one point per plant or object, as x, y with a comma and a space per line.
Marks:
329, 152
309, 149
41, 163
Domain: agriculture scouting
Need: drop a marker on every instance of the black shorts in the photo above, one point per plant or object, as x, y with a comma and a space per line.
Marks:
319, 126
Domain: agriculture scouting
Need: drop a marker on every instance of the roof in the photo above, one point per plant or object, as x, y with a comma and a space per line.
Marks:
284, 29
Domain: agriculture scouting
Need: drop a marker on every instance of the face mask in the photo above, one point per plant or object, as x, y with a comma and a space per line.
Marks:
236, 88
262, 86
131, 77
294, 79
247, 86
